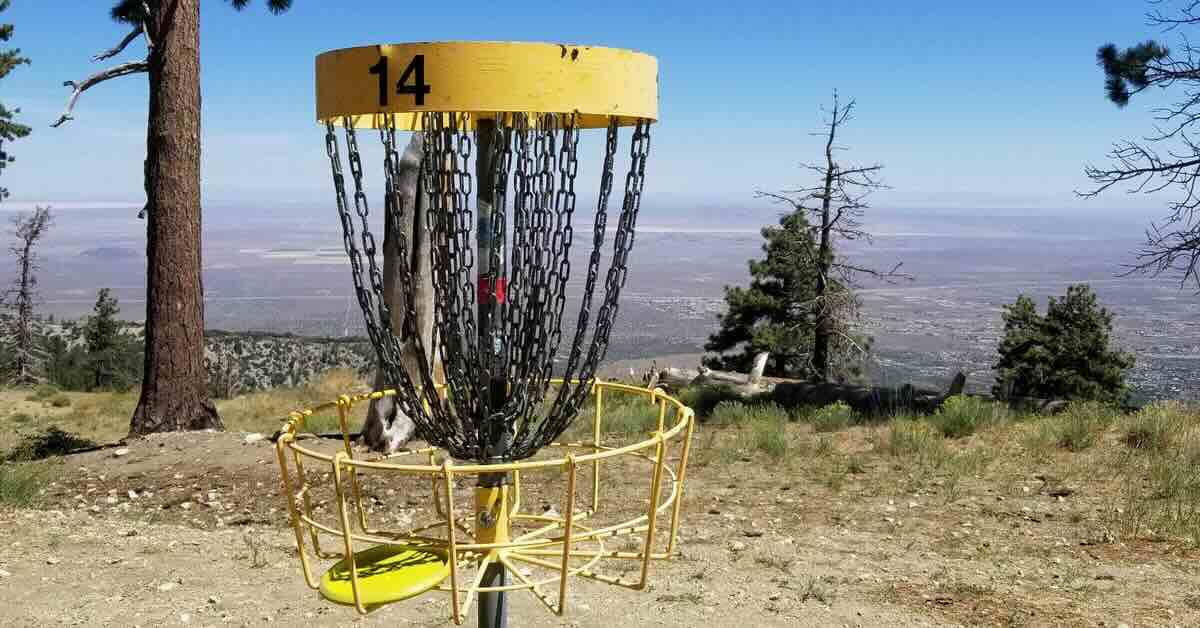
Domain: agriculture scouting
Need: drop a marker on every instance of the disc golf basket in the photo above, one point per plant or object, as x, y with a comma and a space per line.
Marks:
500, 125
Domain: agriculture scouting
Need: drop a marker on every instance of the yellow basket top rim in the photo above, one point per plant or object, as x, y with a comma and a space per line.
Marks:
598, 84
489, 42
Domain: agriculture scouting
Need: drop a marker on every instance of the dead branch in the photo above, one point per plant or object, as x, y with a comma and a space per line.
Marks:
116, 50
133, 67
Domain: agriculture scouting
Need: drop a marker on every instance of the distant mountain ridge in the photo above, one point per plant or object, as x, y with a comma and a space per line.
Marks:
244, 362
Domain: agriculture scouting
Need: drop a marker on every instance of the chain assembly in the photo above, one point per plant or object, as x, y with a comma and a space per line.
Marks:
529, 173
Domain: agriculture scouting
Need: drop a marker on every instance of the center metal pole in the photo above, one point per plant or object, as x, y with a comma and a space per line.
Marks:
491, 519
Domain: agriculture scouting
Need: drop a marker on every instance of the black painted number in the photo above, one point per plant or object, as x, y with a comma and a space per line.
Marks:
415, 72
381, 69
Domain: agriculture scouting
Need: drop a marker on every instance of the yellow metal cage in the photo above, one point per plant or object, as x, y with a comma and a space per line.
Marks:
377, 565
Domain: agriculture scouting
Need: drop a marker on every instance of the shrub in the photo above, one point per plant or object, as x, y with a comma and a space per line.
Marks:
962, 416
832, 418
51, 441
19, 484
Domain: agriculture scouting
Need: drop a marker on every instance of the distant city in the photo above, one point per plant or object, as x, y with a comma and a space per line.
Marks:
282, 270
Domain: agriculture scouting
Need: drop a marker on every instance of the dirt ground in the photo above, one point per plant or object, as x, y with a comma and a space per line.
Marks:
190, 529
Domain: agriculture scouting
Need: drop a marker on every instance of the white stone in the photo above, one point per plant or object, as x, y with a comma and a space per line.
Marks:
167, 586
252, 438
121, 452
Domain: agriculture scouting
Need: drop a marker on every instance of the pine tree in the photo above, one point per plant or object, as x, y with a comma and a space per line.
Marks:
104, 342
1062, 355
174, 393
774, 313
10, 130
836, 200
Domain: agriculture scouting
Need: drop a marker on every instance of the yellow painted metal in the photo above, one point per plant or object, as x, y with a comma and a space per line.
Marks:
374, 576
491, 514
385, 573
483, 79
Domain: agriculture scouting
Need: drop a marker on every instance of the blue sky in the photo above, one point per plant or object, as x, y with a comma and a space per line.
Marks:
969, 105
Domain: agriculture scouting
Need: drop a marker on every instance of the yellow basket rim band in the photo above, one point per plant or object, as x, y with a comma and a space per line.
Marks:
595, 83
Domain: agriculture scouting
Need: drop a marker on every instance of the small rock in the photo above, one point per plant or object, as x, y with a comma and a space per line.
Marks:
52, 561
132, 494
111, 499
752, 533
124, 451
167, 586
4, 574
737, 546
185, 618
252, 438
212, 599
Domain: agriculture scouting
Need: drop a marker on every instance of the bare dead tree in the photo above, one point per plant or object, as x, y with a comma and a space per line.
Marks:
836, 204
1169, 158
20, 327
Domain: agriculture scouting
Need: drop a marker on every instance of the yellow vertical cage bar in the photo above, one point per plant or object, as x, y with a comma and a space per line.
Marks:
347, 531
344, 404
660, 396
452, 544
306, 500
568, 528
652, 513
293, 511
681, 477
598, 392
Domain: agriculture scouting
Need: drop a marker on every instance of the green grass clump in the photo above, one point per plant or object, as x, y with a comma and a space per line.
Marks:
630, 418
43, 392
20, 484
1078, 427
766, 433
741, 413
915, 438
831, 418
1158, 426
60, 401
962, 416
51, 441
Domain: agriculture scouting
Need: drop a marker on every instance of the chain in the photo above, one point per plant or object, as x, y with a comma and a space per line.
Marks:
530, 248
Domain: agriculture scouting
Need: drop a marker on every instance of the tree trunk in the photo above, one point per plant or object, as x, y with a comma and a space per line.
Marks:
822, 309
386, 429
174, 391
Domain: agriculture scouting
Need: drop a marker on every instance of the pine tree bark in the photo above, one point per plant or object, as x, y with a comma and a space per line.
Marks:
174, 390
